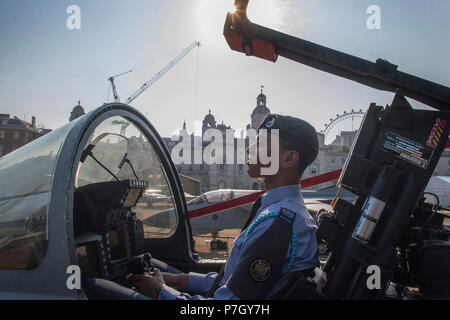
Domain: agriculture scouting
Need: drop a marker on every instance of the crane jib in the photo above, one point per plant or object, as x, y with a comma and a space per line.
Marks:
172, 63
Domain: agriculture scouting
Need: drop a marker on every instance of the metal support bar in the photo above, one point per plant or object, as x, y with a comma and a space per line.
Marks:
380, 75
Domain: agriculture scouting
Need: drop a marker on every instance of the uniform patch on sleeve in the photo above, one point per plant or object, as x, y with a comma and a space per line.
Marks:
287, 215
260, 270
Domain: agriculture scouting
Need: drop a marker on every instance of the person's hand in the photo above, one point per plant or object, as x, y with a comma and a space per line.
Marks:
176, 281
149, 284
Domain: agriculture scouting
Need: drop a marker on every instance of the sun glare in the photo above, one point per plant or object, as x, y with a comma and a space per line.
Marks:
264, 12
211, 16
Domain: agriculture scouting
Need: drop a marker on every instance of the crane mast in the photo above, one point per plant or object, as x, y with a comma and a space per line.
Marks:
111, 79
172, 62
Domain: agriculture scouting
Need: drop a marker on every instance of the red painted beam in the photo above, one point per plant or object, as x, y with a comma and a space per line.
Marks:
224, 205
250, 198
321, 178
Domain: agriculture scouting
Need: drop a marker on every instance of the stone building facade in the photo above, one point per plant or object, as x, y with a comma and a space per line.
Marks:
220, 176
234, 176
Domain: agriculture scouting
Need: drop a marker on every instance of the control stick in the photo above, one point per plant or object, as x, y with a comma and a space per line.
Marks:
141, 264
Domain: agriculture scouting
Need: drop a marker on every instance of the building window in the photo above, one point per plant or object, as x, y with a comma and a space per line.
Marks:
333, 160
13, 148
1, 150
241, 167
16, 135
2, 134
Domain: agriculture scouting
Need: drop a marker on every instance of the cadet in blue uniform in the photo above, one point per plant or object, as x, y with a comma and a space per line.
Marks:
278, 241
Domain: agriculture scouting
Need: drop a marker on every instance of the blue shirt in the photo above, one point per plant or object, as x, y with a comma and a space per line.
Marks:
288, 197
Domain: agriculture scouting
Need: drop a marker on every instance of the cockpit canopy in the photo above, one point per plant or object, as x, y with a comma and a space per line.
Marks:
106, 145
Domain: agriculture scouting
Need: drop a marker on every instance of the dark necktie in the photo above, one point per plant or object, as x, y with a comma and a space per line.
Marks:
253, 212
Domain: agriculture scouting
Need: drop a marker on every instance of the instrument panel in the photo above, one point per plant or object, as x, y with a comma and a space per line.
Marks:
107, 232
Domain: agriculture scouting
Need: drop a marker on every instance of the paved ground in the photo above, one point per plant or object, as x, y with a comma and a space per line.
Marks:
203, 245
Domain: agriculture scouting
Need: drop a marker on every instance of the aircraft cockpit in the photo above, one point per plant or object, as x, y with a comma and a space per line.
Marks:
118, 165
90, 188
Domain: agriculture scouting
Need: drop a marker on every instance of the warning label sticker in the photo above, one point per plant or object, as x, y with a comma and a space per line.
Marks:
436, 133
408, 150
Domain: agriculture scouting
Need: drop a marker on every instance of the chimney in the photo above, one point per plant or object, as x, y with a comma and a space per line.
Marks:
33, 122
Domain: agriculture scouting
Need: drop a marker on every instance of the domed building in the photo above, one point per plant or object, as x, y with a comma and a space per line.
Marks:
221, 175
77, 112
209, 122
260, 111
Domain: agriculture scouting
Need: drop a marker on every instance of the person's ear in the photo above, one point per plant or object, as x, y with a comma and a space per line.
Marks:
289, 159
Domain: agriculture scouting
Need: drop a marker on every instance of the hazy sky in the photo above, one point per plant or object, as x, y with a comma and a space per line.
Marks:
45, 68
